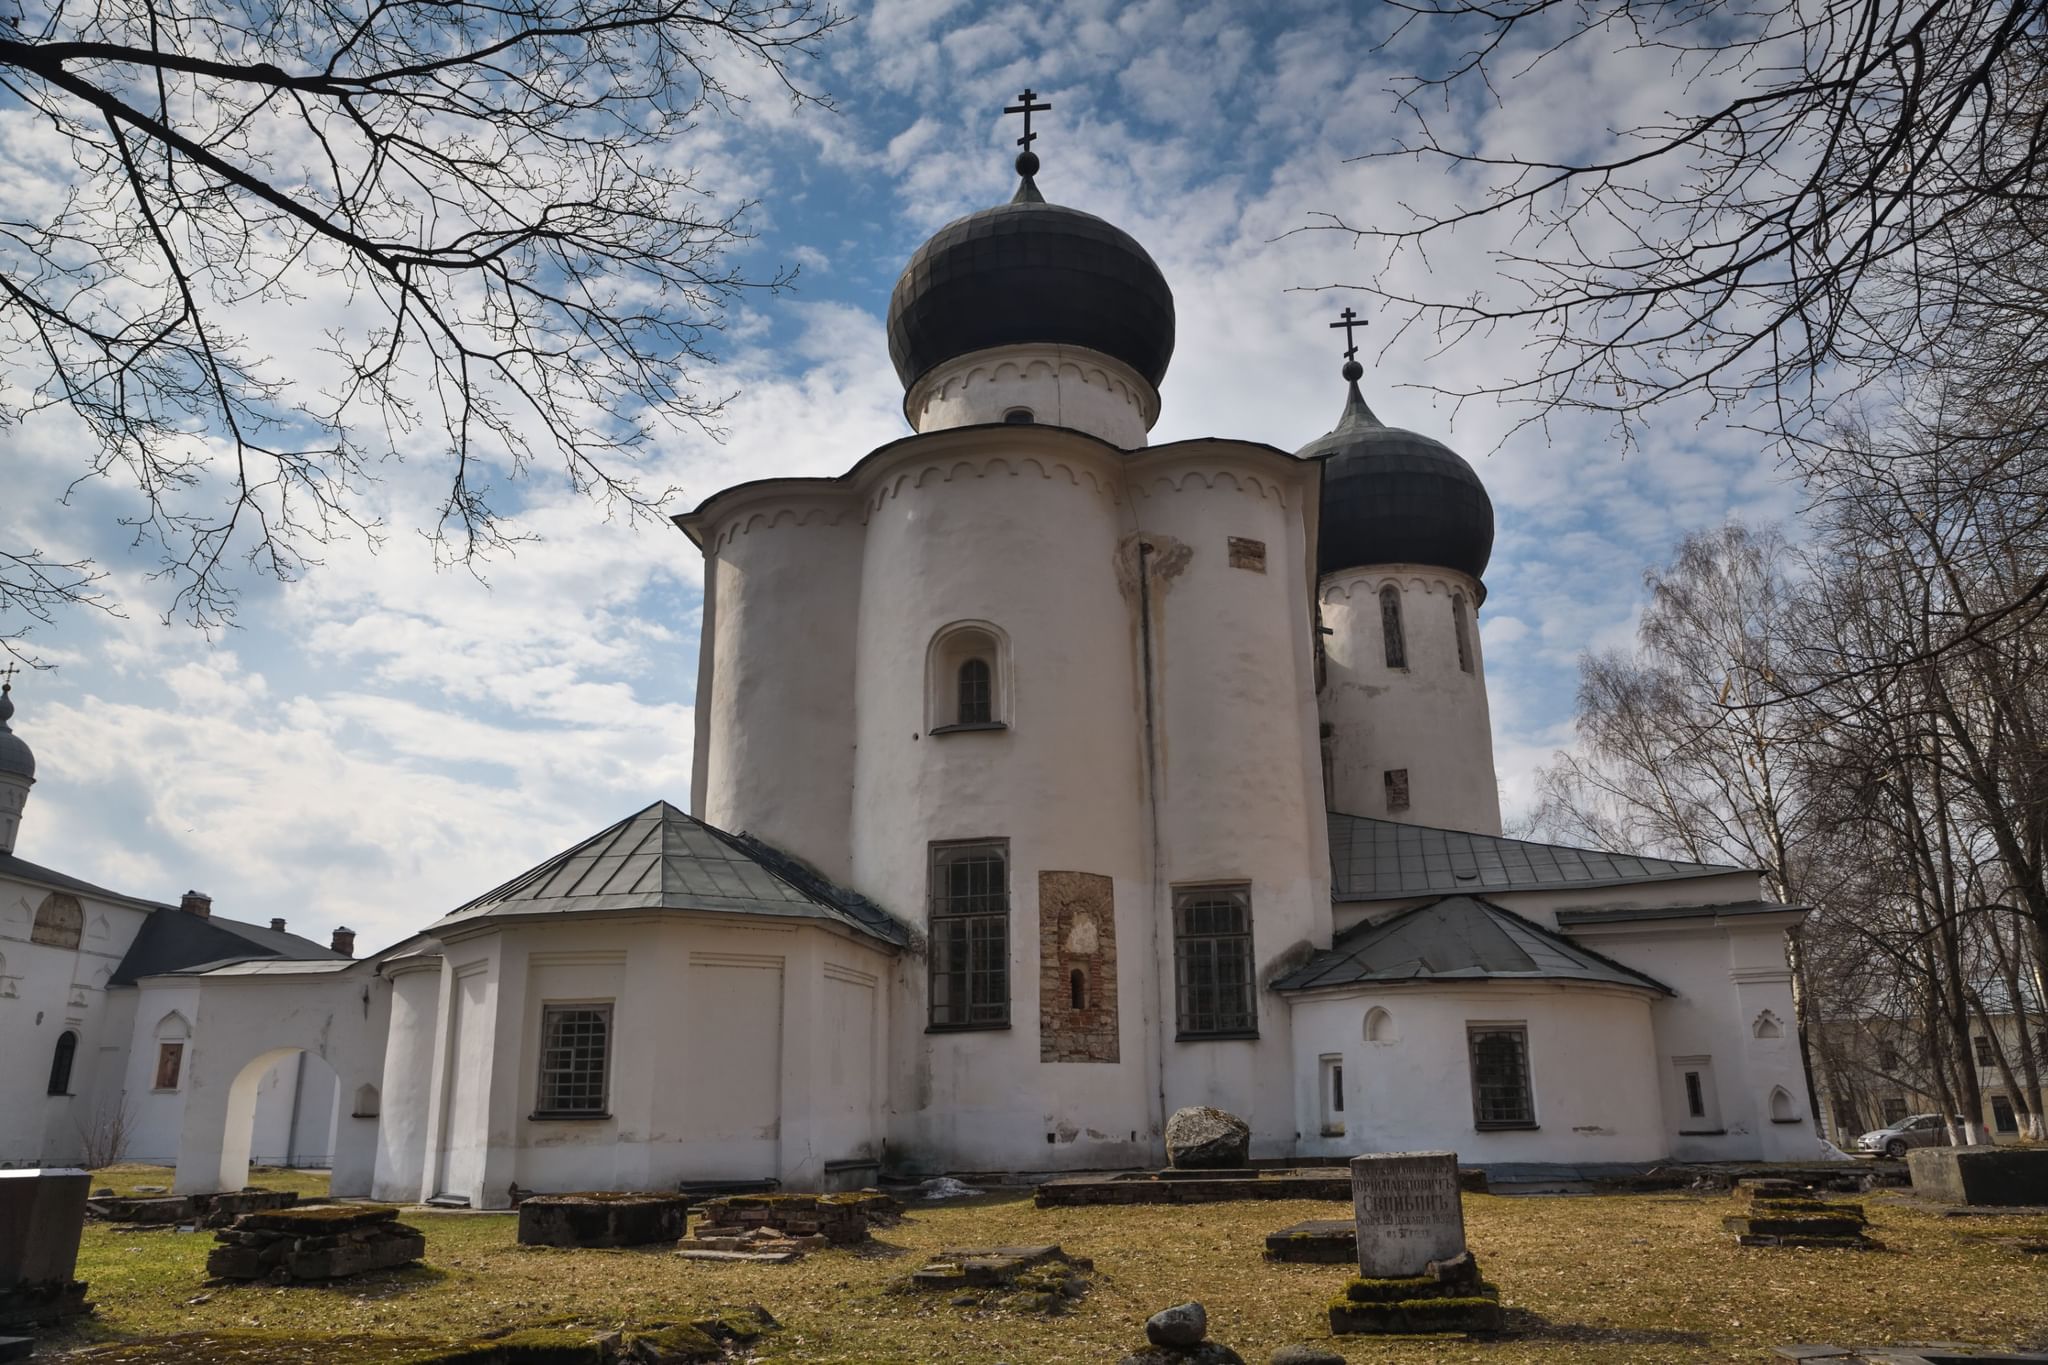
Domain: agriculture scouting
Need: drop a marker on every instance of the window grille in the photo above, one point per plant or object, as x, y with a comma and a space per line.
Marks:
977, 693
1212, 957
1500, 1077
1397, 788
1390, 626
970, 935
1985, 1057
2002, 1116
1695, 1098
60, 1062
574, 1052
170, 1059
1459, 622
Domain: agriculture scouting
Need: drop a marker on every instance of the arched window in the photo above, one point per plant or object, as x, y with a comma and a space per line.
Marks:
60, 1063
59, 920
1782, 1108
1390, 626
977, 693
1379, 1026
1077, 989
1020, 417
1460, 622
967, 678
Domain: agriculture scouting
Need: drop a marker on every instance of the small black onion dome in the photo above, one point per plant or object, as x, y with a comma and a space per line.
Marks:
15, 757
1396, 497
1029, 271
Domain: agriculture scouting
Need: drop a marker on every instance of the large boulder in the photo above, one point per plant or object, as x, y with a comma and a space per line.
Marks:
1184, 1324
1205, 1139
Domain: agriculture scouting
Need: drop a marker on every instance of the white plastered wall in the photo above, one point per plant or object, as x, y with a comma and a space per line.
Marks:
741, 1048
1592, 1070
1060, 386
1430, 718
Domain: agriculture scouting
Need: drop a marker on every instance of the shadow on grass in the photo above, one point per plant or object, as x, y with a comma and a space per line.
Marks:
1525, 1325
255, 1348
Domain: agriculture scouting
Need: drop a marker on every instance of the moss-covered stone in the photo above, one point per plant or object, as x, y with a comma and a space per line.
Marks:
318, 1219
682, 1344
1409, 1289
1468, 1313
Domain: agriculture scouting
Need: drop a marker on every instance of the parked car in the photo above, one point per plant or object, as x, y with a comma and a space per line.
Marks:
1915, 1130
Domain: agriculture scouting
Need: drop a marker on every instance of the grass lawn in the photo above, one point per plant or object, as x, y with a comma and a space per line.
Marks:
124, 1178
1634, 1278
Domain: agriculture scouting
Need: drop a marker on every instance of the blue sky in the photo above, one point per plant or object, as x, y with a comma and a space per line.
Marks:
380, 740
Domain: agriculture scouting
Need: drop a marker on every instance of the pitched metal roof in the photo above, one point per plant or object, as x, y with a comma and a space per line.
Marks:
1374, 860
21, 869
663, 859
1623, 915
1457, 938
174, 940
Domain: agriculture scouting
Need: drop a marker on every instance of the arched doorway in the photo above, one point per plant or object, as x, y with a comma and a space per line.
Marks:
281, 1111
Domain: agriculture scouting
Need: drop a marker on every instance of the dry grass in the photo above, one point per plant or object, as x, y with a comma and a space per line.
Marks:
123, 1179
1619, 1278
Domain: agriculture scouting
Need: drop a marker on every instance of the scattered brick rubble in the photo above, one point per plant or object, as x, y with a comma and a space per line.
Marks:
1027, 1279
1783, 1213
201, 1210
781, 1227
323, 1242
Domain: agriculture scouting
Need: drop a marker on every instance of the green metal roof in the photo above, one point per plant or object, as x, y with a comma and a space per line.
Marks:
664, 859
1374, 859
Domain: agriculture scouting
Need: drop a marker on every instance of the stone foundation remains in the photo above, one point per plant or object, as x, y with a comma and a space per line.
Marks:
1980, 1175
325, 1242
1781, 1213
781, 1227
201, 1210
601, 1219
1319, 1241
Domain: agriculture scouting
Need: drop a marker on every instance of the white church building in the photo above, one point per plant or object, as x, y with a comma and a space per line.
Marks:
1046, 781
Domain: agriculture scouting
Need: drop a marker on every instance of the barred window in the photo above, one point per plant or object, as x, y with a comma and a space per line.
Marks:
970, 934
1390, 626
1396, 783
1212, 961
1985, 1056
977, 694
575, 1050
1500, 1076
1460, 621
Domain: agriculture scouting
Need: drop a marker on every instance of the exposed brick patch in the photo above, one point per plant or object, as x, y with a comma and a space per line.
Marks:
1076, 957
1247, 554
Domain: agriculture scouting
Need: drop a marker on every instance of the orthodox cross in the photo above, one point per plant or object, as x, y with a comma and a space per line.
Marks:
7, 675
1350, 321
1027, 109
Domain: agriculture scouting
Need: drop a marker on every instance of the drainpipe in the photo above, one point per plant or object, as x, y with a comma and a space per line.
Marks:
1160, 901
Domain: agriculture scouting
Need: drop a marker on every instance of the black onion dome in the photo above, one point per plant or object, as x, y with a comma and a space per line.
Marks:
1029, 271
1396, 497
15, 757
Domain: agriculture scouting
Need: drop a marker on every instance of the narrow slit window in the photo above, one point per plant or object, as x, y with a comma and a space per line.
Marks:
574, 1059
1461, 623
1390, 626
1077, 989
1337, 1088
977, 693
60, 1062
1695, 1097
970, 935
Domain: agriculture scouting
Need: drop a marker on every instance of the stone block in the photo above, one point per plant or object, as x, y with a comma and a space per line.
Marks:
16, 1348
1979, 1175
42, 1217
1202, 1138
602, 1220
1413, 1317
1408, 1211
1319, 1241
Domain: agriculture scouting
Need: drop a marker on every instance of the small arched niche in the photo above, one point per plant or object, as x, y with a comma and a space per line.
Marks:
173, 1028
1783, 1110
967, 677
366, 1102
1379, 1026
1767, 1026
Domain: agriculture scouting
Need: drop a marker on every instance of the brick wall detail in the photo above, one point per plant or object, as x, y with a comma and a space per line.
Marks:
1076, 933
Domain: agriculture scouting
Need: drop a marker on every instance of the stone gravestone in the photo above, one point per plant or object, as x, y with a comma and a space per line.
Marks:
1415, 1274
42, 1217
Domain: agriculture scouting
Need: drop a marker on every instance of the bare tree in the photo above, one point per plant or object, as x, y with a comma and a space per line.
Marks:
500, 190
104, 1137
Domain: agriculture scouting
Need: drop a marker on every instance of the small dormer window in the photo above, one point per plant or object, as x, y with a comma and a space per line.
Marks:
1019, 417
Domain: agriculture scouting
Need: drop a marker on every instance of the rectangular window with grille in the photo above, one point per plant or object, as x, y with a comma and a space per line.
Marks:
1985, 1057
1500, 1076
575, 1053
1212, 961
970, 934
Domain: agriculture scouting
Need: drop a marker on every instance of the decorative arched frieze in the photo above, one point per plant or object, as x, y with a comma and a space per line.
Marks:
1209, 477
1367, 583
778, 518
1766, 1025
1010, 465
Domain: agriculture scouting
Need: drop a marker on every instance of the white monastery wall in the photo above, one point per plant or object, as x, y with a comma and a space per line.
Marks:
738, 1049
1018, 529
776, 722
1430, 718
1059, 386
45, 991
1727, 978
406, 1088
162, 1011
1240, 796
1591, 1073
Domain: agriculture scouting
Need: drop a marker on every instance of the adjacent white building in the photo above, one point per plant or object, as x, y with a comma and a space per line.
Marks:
1047, 781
